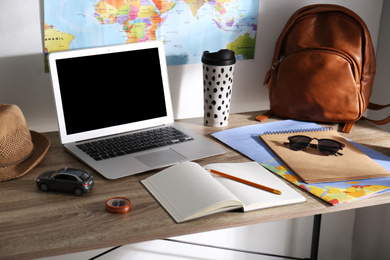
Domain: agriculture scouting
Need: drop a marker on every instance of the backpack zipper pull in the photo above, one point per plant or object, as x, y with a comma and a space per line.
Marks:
276, 64
270, 74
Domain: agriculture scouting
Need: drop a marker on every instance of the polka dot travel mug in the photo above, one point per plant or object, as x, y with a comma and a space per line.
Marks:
218, 71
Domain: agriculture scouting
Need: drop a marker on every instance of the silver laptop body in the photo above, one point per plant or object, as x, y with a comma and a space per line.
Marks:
112, 91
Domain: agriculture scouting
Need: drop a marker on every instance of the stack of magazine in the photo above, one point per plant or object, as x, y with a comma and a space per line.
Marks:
347, 182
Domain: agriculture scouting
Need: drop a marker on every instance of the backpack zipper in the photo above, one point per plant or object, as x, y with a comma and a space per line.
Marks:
271, 73
276, 64
339, 53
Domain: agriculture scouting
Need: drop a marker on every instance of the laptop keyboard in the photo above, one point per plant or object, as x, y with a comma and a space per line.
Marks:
135, 142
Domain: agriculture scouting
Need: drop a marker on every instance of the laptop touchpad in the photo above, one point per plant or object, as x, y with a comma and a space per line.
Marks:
159, 158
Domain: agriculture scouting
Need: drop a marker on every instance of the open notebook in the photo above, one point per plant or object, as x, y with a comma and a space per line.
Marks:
188, 191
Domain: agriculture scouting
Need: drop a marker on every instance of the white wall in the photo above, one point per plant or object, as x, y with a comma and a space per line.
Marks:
381, 90
24, 82
371, 227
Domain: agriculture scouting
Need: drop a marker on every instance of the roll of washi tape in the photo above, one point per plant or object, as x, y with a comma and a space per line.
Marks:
118, 205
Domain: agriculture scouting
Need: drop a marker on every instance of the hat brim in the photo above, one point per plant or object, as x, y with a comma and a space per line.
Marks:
41, 146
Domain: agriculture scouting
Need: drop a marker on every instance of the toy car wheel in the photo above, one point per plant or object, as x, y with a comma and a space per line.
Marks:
78, 192
44, 187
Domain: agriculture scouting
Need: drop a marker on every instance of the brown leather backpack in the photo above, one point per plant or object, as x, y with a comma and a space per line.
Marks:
323, 67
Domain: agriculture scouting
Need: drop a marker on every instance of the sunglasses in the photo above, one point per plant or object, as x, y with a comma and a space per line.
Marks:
325, 146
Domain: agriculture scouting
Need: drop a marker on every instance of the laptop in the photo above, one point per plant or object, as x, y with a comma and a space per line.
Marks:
120, 94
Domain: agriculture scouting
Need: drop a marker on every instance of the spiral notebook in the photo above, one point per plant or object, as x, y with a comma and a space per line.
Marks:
312, 166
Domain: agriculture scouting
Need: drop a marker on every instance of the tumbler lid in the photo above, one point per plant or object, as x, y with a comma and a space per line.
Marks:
221, 58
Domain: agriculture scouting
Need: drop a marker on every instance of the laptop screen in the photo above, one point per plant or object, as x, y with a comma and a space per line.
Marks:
109, 90
112, 89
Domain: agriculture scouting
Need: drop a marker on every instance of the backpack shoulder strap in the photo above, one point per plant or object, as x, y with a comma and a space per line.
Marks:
378, 122
264, 116
347, 127
373, 106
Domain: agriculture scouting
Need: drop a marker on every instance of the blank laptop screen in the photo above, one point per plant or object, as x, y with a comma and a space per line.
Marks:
111, 89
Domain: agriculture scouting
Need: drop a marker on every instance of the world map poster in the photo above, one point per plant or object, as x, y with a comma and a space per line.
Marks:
187, 27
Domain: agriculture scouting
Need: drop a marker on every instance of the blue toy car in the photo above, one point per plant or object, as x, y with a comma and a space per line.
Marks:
66, 179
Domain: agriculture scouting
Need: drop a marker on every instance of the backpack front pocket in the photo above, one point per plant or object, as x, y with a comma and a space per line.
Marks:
316, 84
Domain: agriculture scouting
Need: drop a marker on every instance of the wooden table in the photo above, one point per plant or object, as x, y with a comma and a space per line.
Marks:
36, 224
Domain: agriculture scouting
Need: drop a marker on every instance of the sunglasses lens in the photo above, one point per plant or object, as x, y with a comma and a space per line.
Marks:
328, 147
299, 142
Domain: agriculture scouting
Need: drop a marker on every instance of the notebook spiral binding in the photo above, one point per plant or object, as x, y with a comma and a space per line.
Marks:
293, 131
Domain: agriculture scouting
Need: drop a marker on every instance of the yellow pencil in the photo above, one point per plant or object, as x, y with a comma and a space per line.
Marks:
256, 185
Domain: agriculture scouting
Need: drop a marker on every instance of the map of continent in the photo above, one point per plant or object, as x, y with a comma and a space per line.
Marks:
187, 27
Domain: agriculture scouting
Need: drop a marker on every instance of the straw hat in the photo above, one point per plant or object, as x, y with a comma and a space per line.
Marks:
20, 149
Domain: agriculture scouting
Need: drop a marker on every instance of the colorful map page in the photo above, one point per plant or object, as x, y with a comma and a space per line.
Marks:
247, 141
187, 27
